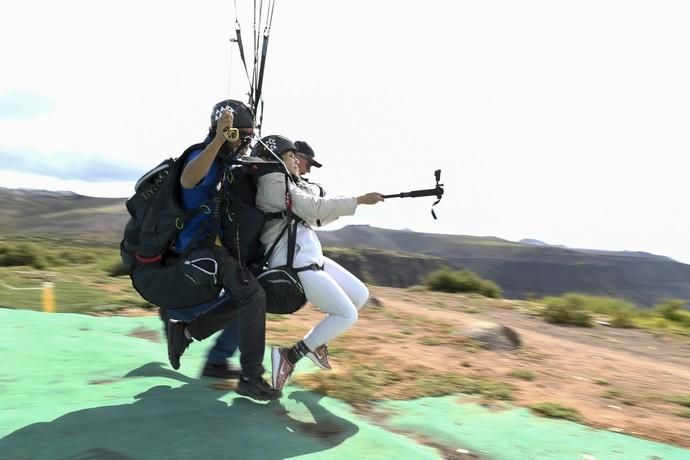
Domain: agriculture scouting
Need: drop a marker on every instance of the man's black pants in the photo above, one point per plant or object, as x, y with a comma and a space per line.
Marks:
244, 300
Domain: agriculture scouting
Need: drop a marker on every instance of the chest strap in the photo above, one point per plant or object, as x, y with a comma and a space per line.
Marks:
275, 215
315, 267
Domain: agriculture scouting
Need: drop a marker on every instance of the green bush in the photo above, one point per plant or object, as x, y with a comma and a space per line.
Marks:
610, 306
574, 308
622, 320
522, 374
683, 400
566, 310
674, 310
45, 254
21, 254
555, 410
69, 256
448, 280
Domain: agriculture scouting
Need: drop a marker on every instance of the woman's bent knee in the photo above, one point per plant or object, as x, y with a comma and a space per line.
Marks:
361, 297
350, 316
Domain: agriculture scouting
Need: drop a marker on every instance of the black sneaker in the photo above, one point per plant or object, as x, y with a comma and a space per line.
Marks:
257, 388
177, 342
223, 370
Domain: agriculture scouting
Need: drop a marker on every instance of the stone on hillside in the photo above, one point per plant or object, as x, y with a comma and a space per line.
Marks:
492, 336
375, 301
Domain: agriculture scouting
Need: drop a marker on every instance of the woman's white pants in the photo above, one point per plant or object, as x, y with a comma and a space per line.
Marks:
336, 292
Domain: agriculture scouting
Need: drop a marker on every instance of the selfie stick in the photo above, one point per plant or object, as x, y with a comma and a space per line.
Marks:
437, 192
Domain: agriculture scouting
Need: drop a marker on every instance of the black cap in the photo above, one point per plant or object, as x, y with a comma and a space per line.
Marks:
306, 151
243, 115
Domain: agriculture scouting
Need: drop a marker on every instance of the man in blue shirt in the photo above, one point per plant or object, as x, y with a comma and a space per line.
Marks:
242, 309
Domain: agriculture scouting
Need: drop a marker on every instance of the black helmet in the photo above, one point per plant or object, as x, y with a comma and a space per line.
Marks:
242, 113
278, 144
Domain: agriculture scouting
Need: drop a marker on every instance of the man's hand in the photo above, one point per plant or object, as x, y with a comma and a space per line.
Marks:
224, 123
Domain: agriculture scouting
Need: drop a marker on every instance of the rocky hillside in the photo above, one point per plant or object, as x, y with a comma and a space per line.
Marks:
385, 268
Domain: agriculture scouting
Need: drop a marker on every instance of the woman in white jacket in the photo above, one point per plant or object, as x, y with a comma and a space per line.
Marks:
332, 289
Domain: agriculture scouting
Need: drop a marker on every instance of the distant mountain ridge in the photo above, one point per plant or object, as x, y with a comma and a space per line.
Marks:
66, 214
396, 257
523, 270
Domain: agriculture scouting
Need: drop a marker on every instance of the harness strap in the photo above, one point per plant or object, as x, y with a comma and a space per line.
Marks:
291, 240
275, 215
147, 260
292, 221
282, 215
315, 267
267, 256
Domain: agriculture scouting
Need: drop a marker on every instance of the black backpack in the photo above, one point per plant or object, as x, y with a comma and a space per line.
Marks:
156, 216
160, 275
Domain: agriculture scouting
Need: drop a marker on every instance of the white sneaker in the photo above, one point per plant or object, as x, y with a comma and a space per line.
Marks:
281, 368
320, 357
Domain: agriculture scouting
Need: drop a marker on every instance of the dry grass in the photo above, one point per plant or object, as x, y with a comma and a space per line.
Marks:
406, 345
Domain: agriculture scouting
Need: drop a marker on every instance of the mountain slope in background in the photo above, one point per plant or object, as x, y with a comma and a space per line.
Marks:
522, 270
396, 257
62, 214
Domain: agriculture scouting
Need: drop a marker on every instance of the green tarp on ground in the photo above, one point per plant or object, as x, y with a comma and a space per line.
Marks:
518, 434
80, 387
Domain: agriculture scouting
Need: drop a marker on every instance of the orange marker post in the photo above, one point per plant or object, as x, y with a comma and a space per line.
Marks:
48, 297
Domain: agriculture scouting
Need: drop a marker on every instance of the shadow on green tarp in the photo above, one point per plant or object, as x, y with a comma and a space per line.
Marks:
183, 422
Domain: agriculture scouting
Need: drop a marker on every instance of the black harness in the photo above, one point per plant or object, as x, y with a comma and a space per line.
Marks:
293, 220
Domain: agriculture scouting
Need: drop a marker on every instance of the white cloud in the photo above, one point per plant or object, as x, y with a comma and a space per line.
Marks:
109, 189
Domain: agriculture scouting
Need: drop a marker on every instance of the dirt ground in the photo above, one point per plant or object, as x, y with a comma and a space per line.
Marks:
618, 379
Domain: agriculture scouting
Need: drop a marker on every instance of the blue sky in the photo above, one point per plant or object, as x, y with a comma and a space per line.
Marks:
567, 122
